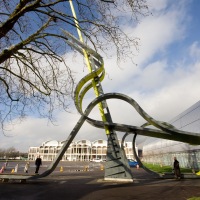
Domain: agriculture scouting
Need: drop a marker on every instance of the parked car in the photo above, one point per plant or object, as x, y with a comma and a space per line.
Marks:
132, 163
97, 160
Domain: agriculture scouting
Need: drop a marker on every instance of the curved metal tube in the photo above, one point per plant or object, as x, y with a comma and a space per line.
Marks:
166, 133
163, 130
136, 155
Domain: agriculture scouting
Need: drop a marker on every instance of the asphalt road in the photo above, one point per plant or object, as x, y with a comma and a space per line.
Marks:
75, 183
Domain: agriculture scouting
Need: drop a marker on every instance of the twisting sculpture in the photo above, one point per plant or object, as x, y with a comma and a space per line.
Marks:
163, 130
117, 167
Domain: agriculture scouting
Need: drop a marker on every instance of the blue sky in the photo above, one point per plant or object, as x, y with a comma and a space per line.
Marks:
165, 81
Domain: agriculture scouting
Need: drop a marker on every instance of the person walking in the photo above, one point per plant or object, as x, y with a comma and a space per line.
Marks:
177, 171
26, 167
38, 162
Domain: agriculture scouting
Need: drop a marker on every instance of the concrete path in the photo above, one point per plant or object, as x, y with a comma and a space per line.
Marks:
89, 185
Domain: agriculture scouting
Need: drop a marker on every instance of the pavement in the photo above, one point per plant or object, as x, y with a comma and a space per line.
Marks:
89, 185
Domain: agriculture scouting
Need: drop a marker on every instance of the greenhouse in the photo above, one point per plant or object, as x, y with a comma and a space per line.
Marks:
163, 151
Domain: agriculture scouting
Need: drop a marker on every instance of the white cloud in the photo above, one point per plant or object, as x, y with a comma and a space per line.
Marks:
177, 96
157, 33
155, 5
194, 50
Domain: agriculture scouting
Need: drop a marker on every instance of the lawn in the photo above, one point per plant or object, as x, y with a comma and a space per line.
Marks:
163, 169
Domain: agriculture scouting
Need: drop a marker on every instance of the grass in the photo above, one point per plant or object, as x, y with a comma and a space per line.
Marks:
194, 198
163, 169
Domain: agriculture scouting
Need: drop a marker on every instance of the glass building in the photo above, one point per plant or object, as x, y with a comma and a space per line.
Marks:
162, 152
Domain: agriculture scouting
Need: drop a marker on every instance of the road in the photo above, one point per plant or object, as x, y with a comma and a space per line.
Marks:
73, 183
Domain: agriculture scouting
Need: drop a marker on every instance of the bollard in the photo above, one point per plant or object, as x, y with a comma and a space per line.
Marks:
102, 167
198, 173
61, 169
2, 169
16, 168
86, 168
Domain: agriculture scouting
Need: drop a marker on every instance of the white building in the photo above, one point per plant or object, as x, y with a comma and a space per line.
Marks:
82, 150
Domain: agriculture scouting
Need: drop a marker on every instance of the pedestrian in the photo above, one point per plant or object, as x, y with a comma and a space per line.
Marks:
176, 169
38, 162
26, 167
16, 168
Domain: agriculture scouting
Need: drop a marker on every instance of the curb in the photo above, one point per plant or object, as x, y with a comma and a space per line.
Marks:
183, 176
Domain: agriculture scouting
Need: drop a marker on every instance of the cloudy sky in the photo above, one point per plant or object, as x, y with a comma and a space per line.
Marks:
164, 82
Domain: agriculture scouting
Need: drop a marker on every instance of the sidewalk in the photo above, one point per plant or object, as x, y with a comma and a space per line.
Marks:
89, 185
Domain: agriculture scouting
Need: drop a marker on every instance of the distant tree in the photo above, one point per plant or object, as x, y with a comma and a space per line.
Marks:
34, 75
23, 155
2, 153
10, 152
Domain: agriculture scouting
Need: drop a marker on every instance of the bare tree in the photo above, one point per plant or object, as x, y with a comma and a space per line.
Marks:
34, 75
2, 153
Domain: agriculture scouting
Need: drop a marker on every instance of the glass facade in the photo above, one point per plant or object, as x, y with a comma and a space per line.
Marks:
162, 151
